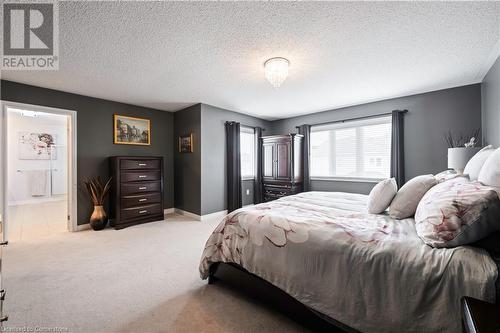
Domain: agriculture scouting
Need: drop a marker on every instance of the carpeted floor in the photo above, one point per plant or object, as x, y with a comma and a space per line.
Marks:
140, 279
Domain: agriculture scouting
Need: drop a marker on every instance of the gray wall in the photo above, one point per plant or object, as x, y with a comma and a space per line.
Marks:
490, 94
213, 154
95, 134
187, 166
430, 116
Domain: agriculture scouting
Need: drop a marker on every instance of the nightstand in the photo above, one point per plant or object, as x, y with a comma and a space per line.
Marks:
480, 316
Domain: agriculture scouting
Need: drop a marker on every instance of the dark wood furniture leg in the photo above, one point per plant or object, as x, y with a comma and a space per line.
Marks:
480, 316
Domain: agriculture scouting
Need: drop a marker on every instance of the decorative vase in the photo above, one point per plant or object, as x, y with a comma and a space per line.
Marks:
99, 219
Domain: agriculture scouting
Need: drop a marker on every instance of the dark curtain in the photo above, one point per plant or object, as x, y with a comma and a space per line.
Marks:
233, 167
305, 130
397, 147
257, 183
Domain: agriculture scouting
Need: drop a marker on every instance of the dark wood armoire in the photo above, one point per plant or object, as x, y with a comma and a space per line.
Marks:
136, 191
282, 172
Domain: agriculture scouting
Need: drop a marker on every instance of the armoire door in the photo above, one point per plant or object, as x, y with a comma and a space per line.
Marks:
268, 158
283, 160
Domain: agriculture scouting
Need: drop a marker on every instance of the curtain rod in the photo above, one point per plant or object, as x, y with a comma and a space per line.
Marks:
231, 122
357, 118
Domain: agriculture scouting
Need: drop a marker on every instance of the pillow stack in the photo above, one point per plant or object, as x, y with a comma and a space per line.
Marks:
450, 209
403, 203
460, 211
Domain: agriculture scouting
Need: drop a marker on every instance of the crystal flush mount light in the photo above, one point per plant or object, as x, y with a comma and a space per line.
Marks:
276, 70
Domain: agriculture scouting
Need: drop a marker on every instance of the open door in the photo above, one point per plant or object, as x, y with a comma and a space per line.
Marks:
39, 182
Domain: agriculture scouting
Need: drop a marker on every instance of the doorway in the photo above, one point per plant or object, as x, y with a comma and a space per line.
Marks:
39, 171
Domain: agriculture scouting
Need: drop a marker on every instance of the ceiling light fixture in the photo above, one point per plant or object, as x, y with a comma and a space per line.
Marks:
276, 70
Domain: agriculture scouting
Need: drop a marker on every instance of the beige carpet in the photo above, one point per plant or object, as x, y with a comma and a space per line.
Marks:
140, 279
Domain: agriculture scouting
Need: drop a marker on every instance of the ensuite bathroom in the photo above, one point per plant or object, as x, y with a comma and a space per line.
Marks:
37, 174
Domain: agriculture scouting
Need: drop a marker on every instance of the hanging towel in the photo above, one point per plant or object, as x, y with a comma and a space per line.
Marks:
37, 181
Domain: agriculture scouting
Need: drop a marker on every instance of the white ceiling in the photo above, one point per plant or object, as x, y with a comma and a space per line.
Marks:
168, 55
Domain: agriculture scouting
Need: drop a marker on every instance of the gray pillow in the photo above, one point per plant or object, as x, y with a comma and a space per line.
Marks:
409, 195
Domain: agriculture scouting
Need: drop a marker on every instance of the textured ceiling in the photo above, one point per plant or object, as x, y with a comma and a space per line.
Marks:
168, 55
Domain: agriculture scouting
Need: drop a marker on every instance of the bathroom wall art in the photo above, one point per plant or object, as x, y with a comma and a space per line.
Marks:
36, 146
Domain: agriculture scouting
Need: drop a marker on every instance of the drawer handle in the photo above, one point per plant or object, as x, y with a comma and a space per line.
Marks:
142, 200
2, 294
142, 164
4, 318
142, 176
143, 211
4, 243
143, 188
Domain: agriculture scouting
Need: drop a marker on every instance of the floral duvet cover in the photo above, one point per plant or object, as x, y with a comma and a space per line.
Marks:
370, 272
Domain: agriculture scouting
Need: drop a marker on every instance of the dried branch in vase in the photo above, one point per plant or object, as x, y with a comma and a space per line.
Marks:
96, 190
460, 140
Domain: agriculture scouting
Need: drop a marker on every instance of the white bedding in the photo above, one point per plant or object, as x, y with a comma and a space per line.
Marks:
370, 272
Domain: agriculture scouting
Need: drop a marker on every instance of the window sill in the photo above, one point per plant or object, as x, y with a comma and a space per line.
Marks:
247, 178
347, 179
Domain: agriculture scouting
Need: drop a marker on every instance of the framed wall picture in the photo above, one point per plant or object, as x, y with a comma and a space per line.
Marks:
186, 143
36, 146
132, 130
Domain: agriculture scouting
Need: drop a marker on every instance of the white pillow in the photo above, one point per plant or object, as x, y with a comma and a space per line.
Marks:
490, 172
381, 195
409, 195
473, 167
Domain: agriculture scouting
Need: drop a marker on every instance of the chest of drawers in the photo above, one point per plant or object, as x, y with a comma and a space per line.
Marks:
137, 191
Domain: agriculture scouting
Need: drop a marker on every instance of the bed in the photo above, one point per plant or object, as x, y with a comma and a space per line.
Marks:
367, 271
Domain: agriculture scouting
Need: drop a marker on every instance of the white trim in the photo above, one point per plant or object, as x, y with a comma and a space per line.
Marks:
188, 214
205, 217
346, 179
83, 227
168, 211
216, 215
3, 172
72, 152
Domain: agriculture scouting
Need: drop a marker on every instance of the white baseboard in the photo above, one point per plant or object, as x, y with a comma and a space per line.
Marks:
205, 217
82, 227
217, 215
168, 211
188, 214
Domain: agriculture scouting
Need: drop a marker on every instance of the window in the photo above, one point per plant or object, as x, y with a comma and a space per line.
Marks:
247, 152
358, 149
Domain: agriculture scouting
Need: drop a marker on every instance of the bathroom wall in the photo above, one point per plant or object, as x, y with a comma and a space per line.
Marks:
20, 171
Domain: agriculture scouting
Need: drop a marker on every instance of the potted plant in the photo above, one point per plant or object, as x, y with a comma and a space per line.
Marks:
97, 193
